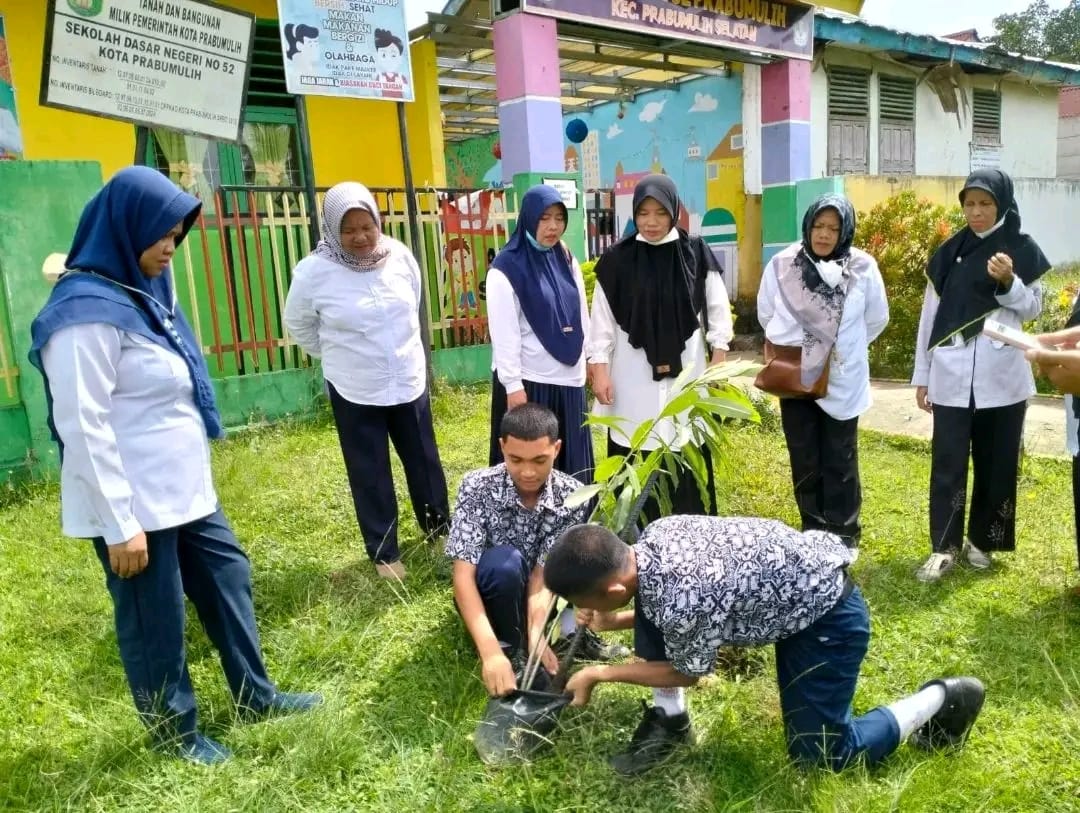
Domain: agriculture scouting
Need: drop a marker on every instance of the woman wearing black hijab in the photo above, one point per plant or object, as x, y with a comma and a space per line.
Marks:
827, 297
658, 291
977, 388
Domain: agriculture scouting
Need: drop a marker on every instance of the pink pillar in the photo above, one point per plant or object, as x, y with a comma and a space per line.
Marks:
528, 92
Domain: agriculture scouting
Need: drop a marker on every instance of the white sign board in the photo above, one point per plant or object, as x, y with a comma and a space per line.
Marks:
180, 64
567, 189
355, 48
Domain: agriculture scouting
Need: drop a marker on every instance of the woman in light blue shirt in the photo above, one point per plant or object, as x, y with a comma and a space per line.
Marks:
355, 303
132, 407
827, 297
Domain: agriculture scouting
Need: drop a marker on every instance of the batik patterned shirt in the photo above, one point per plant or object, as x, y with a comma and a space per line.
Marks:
489, 513
707, 582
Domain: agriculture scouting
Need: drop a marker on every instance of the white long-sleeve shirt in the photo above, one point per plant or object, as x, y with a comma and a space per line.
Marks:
364, 325
865, 316
136, 457
516, 352
994, 372
638, 398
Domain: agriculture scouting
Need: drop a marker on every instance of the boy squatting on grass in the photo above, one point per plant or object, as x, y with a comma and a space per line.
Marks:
506, 519
699, 583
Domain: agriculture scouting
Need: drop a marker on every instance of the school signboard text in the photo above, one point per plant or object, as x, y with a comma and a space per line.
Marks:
180, 64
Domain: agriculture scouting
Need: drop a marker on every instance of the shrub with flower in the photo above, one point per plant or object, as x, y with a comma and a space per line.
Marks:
901, 233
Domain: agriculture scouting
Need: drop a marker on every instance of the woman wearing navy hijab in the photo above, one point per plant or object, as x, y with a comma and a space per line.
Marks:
538, 317
132, 407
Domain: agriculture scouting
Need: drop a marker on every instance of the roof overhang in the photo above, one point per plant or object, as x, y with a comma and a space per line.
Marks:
924, 51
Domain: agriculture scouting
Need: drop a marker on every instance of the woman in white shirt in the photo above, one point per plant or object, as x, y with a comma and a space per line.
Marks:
977, 388
538, 317
131, 405
354, 302
827, 297
659, 299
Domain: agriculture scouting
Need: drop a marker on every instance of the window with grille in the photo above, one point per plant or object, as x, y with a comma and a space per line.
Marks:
896, 108
986, 117
849, 120
269, 152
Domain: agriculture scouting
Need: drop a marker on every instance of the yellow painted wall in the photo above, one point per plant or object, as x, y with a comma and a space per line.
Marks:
750, 266
350, 139
49, 133
867, 191
850, 6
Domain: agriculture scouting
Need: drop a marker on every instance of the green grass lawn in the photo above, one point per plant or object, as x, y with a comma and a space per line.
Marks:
400, 675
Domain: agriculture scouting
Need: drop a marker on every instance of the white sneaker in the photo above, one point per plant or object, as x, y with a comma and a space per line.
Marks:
935, 567
978, 559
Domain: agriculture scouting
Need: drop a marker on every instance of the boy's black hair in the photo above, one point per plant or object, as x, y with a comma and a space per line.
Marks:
529, 421
583, 559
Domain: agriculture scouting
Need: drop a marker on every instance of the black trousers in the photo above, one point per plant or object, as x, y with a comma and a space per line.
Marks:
992, 438
1076, 502
684, 492
365, 433
824, 454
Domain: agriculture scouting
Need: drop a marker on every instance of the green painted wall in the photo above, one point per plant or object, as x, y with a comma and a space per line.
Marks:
14, 439
806, 192
39, 209
471, 164
779, 219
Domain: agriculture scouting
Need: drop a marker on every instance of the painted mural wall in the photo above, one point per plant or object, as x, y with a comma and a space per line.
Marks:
10, 137
692, 132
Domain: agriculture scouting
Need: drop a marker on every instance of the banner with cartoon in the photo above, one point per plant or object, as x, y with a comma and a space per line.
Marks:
11, 145
346, 48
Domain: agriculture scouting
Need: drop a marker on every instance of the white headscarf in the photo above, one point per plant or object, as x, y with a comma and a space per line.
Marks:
339, 201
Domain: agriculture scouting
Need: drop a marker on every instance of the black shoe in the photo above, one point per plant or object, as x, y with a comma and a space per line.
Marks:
591, 647
654, 741
949, 728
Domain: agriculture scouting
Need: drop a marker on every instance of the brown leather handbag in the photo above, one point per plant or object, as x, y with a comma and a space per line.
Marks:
782, 374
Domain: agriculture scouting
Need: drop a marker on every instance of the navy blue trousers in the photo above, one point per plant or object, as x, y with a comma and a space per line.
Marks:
502, 579
202, 560
576, 457
365, 433
816, 671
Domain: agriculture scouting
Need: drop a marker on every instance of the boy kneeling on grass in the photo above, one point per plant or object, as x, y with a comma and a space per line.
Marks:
699, 583
506, 519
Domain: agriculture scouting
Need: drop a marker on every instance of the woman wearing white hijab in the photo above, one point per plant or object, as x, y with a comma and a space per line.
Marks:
827, 297
355, 303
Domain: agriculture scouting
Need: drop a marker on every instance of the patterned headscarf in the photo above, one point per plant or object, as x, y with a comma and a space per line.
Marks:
338, 202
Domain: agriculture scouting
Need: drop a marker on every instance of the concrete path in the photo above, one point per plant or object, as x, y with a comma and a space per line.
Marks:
894, 411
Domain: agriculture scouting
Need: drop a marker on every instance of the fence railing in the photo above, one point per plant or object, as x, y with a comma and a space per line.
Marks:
599, 220
233, 270
9, 368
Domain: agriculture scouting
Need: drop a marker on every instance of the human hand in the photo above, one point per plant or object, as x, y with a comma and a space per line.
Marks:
1000, 267
597, 620
922, 401
718, 357
498, 675
603, 388
129, 558
1067, 339
549, 660
1062, 367
514, 399
581, 685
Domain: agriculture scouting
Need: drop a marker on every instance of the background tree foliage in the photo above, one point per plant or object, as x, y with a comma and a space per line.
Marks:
1042, 31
